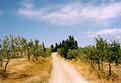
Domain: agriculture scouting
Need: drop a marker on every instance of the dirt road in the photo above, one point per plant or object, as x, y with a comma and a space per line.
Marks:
64, 72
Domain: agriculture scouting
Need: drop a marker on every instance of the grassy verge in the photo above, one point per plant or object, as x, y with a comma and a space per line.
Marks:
28, 71
91, 74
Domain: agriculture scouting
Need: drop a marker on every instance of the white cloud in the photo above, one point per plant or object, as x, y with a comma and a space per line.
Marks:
117, 37
110, 11
27, 4
30, 13
73, 13
105, 32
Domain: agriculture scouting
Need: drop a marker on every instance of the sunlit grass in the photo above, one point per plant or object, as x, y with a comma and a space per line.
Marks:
91, 73
27, 71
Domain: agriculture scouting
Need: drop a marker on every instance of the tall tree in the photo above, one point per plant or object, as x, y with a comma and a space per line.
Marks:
44, 46
52, 48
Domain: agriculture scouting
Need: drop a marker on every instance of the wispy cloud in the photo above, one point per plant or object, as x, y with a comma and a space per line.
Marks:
28, 4
117, 37
105, 32
73, 13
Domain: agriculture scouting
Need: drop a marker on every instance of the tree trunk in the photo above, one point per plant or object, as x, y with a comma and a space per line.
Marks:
36, 58
102, 65
109, 69
98, 65
5, 69
98, 73
1, 63
91, 63
28, 56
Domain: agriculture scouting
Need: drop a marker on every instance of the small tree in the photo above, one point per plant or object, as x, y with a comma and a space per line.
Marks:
113, 54
110, 57
7, 52
116, 51
101, 49
92, 55
36, 49
25, 47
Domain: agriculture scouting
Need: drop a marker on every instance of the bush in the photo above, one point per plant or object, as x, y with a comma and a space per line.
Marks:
60, 51
48, 52
72, 54
81, 55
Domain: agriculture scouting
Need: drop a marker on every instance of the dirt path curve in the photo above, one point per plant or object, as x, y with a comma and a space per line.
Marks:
64, 72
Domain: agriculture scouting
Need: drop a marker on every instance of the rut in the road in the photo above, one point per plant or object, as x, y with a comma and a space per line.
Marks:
64, 73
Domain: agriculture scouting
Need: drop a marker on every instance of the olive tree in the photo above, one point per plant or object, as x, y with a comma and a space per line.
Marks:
101, 49
7, 52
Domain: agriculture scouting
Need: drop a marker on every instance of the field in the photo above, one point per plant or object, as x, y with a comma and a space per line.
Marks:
91, 74
25, 71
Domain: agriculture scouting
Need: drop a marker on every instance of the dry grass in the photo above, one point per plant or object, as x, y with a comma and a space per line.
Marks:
27, 71
91, 74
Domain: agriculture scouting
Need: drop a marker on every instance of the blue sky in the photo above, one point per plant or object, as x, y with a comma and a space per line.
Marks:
51, 21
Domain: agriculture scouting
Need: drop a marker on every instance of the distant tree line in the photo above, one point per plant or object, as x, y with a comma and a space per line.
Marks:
66, 48
17, 47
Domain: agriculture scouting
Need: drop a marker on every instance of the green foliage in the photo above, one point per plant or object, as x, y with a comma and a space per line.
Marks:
52, 48
63, 47
15, 47
48, 52
115, 48
8, 51
60, 51
81, 55
103, 51
72, 54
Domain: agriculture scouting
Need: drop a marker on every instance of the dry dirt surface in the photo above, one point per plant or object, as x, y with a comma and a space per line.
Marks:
64, 72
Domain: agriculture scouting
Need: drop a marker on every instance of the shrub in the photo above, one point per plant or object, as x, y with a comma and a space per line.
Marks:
72, 54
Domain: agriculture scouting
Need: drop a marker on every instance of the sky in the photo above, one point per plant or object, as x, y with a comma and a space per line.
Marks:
51, 21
